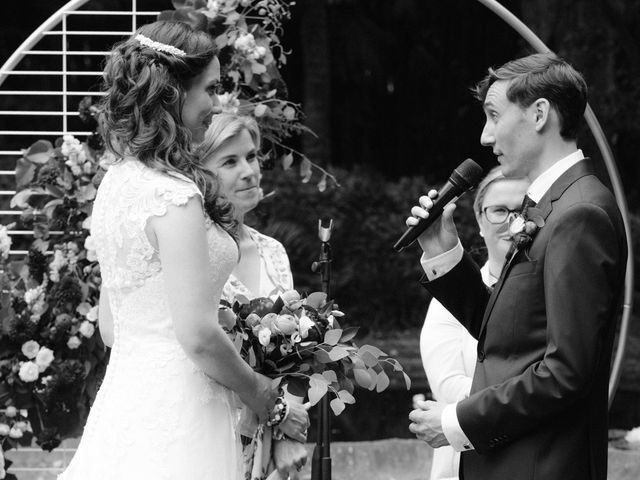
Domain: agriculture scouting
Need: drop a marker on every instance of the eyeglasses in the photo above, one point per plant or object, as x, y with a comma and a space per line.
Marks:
498, 214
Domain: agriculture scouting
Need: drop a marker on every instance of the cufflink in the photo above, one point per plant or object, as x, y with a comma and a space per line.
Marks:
434, 271
466, 446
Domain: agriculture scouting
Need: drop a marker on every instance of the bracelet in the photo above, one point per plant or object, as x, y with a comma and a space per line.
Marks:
278, 412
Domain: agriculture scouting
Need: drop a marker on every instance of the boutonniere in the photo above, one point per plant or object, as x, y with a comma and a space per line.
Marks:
524, 227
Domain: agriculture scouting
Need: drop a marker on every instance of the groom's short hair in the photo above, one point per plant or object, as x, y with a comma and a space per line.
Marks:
542, 75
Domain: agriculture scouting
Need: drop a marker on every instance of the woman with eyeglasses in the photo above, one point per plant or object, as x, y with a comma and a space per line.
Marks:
448, 351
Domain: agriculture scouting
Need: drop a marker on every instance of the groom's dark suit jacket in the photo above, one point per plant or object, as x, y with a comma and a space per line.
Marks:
538, 403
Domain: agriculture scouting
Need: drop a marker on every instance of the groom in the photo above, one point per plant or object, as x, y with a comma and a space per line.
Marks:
538, 402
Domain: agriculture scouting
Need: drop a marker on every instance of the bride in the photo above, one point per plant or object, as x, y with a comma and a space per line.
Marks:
164, 409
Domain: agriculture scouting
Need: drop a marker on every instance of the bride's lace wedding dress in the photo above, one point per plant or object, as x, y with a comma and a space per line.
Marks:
157, 416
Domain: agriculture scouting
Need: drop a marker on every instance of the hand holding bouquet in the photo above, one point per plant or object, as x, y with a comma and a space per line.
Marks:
299, 341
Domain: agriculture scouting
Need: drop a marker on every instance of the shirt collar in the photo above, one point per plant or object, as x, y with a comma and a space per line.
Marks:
543, 183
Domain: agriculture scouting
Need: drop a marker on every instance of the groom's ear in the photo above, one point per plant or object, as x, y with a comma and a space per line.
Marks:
542, 113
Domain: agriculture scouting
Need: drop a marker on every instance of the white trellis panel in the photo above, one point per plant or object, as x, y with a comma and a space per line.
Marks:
42, 83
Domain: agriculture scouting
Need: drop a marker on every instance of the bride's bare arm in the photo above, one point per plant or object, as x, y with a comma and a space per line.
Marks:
105, 319
182, 245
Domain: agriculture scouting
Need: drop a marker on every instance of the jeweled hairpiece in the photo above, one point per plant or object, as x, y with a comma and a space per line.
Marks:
160, 47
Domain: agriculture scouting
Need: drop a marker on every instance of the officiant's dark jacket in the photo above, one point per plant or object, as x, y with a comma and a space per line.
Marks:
538, 403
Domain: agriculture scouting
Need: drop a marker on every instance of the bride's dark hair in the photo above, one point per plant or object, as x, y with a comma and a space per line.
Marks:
140, 114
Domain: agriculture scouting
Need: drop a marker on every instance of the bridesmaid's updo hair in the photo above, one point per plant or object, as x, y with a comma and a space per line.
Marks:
145, 79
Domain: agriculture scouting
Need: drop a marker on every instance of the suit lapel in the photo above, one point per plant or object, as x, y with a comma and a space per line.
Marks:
545, 205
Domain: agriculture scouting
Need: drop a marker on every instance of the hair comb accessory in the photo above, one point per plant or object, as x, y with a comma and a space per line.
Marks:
160, 47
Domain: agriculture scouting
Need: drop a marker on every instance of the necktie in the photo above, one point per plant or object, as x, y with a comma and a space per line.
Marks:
527, 203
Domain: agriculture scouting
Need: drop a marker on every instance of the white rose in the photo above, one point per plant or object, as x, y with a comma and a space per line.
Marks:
11, 411
87, 329
4, 429
264, 336
260, 51
289, 113
30, 349
15, 433
290, 296
28, 372
44, 358
516, 226
305, 324
252, 320
73, 342
260, 110
286, 324
92, 314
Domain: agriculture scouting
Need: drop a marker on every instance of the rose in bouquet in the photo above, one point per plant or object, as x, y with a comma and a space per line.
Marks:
299, 341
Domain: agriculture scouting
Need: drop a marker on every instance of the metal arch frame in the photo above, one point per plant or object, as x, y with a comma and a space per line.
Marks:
612, 170
56, 25
36, 36
520, 28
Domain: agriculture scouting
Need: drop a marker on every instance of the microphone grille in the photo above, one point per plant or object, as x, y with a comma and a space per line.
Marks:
469, 172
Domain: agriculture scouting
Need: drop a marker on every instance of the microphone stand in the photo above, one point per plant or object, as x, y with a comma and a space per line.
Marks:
321, 462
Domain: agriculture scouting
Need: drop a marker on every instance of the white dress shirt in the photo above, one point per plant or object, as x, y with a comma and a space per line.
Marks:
438, 266
449, 355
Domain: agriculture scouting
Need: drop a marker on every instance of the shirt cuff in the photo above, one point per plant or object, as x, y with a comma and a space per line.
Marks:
453, 432
437, 266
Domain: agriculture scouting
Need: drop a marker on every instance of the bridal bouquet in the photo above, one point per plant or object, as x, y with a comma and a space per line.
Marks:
299, 341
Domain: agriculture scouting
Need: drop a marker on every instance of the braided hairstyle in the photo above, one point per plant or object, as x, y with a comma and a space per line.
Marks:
141, 113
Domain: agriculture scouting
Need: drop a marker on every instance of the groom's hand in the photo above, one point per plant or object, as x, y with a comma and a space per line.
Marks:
426, 423
442, 235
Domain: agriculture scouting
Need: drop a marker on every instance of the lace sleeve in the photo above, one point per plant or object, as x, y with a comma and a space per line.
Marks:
276, 260
127, 199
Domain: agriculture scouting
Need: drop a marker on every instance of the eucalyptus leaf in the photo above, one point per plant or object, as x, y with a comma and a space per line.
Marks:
287, 161
305, 170
375, 351
330, 376
382, 382
322, 356
40, 152
338, 353
332, 337
348, 334
316, 299
322, 184
21, 199
25, 172
317, 389
369, 359
337, 406
407, 380
362, 377
346, 397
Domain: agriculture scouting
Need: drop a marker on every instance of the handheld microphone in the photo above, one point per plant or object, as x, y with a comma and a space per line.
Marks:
463, 178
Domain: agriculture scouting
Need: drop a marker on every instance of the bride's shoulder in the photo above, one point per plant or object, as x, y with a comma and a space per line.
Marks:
147, 182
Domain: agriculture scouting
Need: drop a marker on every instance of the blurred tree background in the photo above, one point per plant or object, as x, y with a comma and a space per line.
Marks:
385, 85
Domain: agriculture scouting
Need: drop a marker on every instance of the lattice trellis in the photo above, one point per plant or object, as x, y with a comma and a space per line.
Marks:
58, 65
